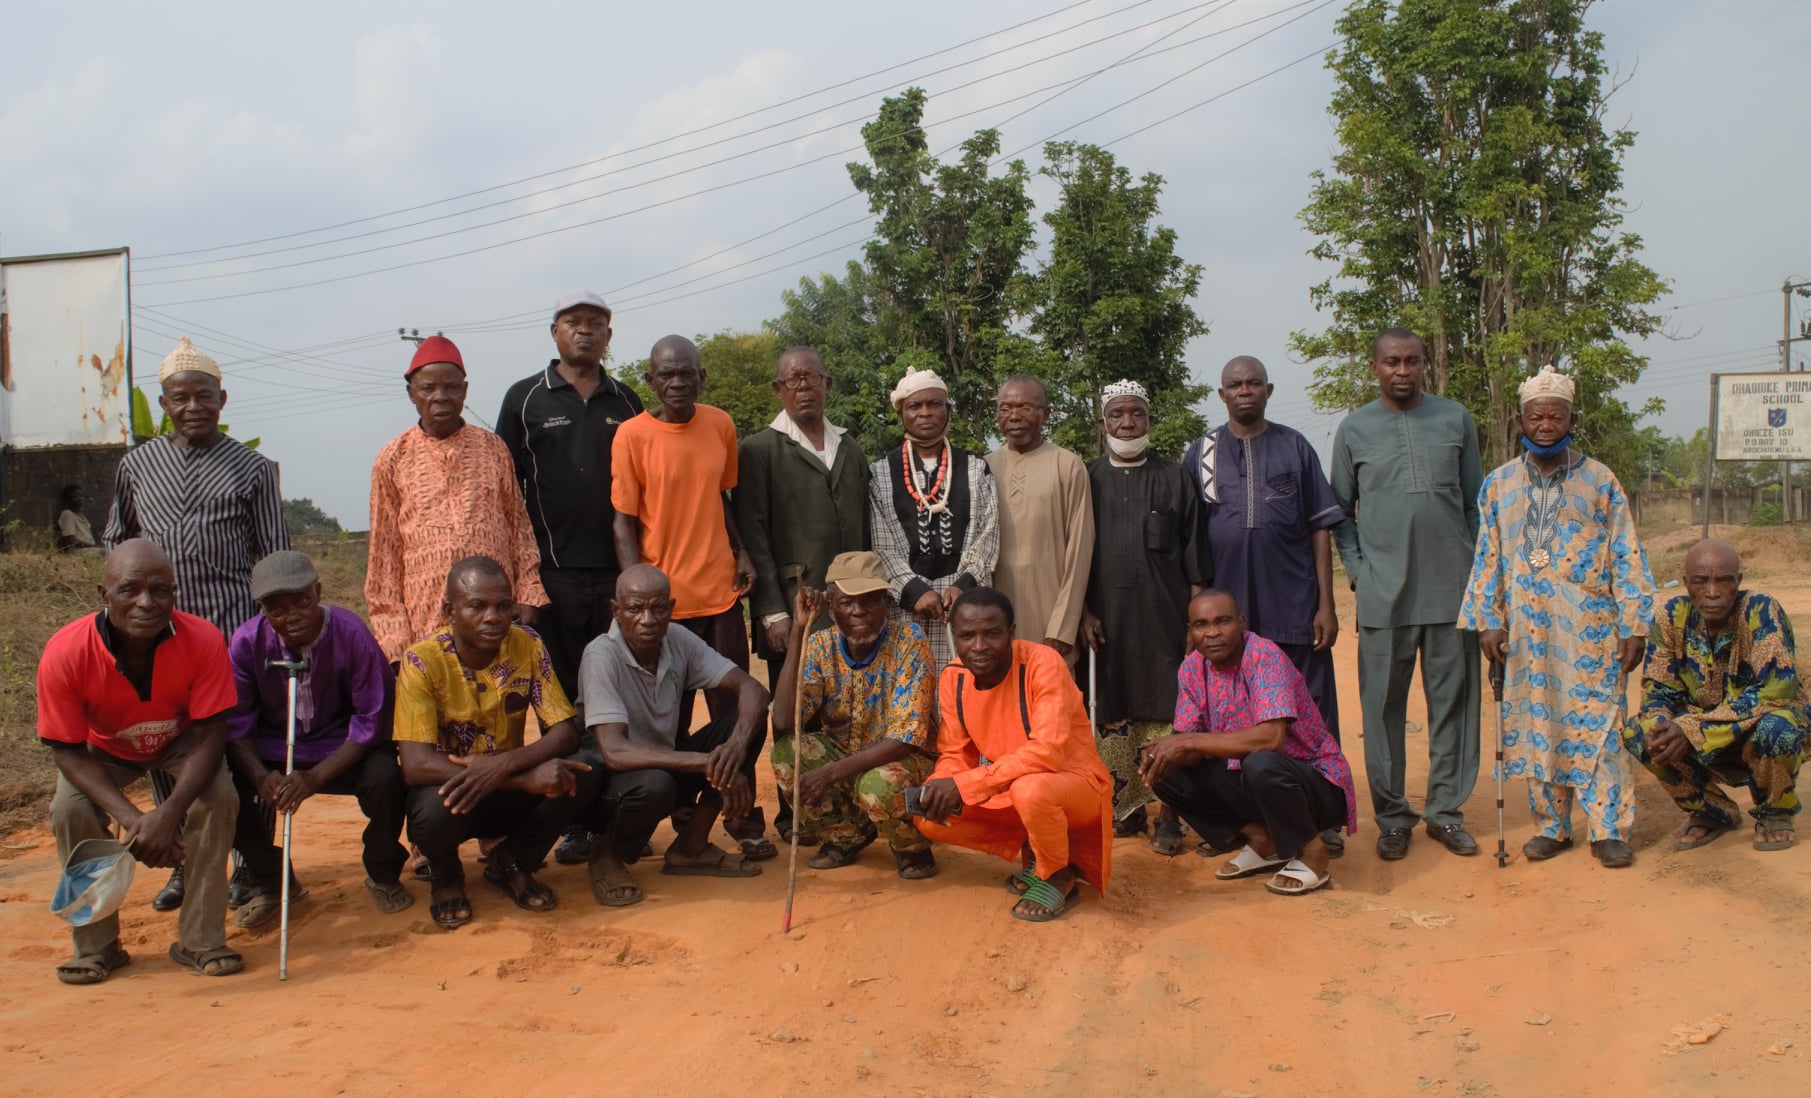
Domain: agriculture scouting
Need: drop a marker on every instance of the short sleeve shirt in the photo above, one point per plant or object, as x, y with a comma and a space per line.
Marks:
886, 697
671, 477
460, 711
84, 697
616, 689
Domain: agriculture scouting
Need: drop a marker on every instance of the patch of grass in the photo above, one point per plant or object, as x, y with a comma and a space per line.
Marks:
39, 594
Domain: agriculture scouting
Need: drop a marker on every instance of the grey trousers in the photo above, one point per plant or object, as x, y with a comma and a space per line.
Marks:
207, 829
1451, 683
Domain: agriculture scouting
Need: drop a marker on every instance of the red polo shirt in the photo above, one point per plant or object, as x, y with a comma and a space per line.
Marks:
84, 697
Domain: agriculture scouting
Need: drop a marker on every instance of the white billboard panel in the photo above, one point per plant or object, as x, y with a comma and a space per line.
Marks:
1764, 417
65, 369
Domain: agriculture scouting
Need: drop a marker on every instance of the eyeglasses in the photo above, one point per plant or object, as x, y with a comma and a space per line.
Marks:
796, 382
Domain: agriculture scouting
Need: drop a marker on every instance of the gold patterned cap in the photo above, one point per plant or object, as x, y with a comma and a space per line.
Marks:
1548, 383
186, 359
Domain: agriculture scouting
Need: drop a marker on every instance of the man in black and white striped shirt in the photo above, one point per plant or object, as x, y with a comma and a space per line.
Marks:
209, 502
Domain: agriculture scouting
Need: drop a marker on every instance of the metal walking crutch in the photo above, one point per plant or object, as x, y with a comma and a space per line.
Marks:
1093, 724
294, 670
1496, 693
798, 768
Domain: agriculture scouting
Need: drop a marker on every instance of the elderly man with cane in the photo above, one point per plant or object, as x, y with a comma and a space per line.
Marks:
314, 715
1561, 598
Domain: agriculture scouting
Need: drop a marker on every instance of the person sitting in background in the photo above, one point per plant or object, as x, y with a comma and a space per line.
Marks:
343, 715
74, 534
462, 702
1721, 700
867, 687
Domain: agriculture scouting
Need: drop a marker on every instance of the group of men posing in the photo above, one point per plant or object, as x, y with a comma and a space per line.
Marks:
921, 614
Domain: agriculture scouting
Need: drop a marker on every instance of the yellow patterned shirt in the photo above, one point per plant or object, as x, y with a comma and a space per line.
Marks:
460, 711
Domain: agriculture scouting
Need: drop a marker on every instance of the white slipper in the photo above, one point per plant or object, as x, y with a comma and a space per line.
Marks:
1297, 871
1247, 863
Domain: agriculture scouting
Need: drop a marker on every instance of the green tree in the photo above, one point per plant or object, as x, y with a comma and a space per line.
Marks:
844, 322
738, 377
301, 516
1112, 300
1474, 198
950, 239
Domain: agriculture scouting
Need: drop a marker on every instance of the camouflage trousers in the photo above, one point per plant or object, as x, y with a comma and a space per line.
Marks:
855, 811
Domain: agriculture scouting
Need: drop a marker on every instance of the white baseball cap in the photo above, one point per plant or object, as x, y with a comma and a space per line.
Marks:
576, 298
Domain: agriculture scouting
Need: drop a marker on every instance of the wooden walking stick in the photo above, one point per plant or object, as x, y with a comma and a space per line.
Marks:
798, 764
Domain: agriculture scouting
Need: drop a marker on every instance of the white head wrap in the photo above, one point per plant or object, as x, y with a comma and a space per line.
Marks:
1123, 388
916, 381
186, 359
1548, 383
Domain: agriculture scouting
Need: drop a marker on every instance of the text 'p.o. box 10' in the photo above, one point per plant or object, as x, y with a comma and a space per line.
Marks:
1764, 417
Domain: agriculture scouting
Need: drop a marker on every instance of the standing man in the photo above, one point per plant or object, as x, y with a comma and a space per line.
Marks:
1270, 515
442, 491
142, 687
1406, 473
1722, 701
802, 499
673, 468
1150, 558
1561, 597
559, 425
1046, 518
212, 504
935, 518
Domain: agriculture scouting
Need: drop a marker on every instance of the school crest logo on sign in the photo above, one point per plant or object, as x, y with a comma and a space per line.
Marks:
1776, 417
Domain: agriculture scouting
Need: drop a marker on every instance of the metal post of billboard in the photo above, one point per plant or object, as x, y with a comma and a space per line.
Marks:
1710, 452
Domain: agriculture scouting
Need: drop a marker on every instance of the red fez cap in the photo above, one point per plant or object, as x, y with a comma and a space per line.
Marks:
435, 349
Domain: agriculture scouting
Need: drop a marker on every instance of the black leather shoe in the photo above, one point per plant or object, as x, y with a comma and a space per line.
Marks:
1542, 847
238, 889
1454, 837
574, 848
1335, 842
1393, 843
169, 898
1613, 853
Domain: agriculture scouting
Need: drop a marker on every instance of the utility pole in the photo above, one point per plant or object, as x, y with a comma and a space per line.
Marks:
1787, 288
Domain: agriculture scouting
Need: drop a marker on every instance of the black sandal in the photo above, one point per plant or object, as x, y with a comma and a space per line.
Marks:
831, 856
451, 914
533, 896
916, 866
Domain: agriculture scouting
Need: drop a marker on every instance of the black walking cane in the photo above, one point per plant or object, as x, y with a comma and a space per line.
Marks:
1496, 693
294, 669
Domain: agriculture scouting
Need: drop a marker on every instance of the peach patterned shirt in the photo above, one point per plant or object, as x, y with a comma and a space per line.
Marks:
434, 502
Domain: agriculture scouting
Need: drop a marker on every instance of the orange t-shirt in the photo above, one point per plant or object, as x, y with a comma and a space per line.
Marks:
671, 477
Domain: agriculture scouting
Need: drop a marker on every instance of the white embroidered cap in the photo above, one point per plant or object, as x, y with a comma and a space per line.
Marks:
1123, 388
916, 381
1548, 383
186, 359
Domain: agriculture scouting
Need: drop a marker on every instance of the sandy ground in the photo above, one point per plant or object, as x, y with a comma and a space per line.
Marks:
1434, 975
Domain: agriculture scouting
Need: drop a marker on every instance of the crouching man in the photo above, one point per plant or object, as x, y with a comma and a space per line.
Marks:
139, 688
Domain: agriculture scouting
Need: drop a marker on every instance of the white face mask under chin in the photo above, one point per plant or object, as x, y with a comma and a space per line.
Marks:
1128, 449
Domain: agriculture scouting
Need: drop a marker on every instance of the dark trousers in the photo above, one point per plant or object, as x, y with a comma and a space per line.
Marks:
1291, 798
629, 804
377, 783
727, 634
577, 613
527, 823
1317, 672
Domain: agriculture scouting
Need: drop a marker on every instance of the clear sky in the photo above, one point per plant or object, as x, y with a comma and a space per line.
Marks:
686, 160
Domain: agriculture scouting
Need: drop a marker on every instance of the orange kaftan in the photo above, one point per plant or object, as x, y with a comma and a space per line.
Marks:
1044, 783
434, 502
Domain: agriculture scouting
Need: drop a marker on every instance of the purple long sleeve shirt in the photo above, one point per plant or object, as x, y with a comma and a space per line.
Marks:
348, 692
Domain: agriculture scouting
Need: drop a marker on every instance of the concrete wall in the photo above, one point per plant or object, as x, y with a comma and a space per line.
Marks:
34, 478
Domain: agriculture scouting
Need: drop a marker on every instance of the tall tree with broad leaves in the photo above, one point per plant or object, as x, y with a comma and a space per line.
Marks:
1113, 300
1475, 198
949, 240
